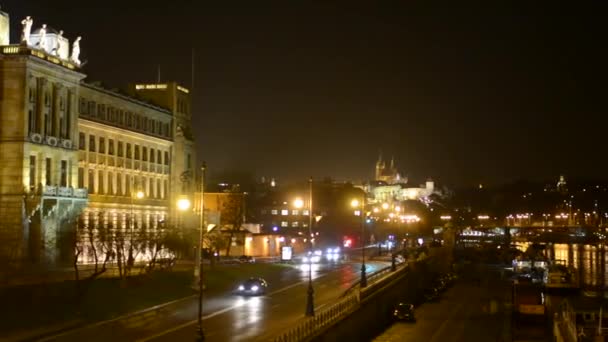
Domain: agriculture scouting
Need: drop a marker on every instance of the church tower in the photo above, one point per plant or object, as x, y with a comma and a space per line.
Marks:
380, 166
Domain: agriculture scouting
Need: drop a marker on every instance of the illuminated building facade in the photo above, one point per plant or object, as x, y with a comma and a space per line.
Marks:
124, 159
75, 150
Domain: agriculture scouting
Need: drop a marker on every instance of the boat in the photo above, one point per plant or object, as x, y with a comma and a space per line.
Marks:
559, 276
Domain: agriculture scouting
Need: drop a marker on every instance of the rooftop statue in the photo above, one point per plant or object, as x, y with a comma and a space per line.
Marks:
58, 44
27, 29
76, 51
42, 41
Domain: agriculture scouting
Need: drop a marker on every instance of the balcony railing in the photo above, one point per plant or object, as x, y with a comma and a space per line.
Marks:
62, 191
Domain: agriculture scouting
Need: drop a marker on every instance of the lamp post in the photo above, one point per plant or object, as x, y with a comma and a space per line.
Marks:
137, 195
355, 204
198, 265
298, 203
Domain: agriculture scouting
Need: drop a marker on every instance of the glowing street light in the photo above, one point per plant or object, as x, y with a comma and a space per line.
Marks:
355, 204
384, 206
299, 203
183, 204
139, 194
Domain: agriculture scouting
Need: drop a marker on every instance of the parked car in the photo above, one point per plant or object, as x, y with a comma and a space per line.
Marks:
252, 286
432, 294
404, 312
246, 259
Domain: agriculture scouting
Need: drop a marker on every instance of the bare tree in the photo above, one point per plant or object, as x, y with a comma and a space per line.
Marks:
232, 216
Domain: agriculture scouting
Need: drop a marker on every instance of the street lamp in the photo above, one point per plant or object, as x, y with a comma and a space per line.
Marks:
198, 265
183, 204
355, 204
137, 195
299, 203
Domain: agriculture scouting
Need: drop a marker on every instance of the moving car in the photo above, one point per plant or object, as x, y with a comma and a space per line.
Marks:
252, 286
404, 312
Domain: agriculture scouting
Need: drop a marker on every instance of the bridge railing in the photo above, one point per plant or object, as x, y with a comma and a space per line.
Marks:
322, 319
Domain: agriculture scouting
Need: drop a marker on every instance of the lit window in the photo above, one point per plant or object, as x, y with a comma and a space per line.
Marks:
274, 212
305, 212
284, 224
284, 212
295, 212
295, 224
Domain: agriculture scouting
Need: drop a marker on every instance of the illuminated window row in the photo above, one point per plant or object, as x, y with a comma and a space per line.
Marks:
121, 149
110, 183
118, 117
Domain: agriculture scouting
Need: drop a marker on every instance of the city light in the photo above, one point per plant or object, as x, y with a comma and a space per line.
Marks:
483, 217
384, 206
446, 217
354, 203
139, 194
183, 204
298, 203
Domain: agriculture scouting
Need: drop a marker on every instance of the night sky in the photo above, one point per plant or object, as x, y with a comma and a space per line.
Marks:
297, 88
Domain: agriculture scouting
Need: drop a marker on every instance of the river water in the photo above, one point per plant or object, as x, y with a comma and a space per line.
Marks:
589, 261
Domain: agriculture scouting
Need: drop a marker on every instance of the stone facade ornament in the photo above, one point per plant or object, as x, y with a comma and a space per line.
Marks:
42, 41
76, 51
27, 29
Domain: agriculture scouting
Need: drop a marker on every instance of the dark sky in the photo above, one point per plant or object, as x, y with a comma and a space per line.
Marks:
298, 88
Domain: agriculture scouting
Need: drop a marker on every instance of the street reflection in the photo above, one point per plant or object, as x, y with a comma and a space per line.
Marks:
314, 270
247, 313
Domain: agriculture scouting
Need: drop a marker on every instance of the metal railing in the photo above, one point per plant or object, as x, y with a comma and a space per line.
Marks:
322, 319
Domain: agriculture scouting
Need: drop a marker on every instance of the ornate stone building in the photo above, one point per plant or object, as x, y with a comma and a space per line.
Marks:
71, 149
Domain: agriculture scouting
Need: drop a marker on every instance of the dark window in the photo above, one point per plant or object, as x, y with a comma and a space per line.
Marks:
111, 147
100, 187
48, 171
91, 181
158, 189
128, 180
81, 141
119, 184
102, 145
120, 152
81, 177
64, 173
129, 150
152, 155
159, 157
31, 121
136, 152
166, 158
32, 172
188, 162
110, 183
92, 143
144, 153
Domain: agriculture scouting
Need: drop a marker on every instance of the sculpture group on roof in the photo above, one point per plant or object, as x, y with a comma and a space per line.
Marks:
54, 50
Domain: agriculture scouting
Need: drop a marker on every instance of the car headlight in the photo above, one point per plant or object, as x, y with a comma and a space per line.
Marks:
305, 259
315, 258
241, 288
254, 288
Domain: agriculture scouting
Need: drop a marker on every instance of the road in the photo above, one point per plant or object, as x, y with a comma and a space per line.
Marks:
469, 311
234, 318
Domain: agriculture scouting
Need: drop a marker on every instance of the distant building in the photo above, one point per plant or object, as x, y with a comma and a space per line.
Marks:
388, 174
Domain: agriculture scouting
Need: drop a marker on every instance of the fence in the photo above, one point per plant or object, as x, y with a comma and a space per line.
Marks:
322, 319
348, 303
